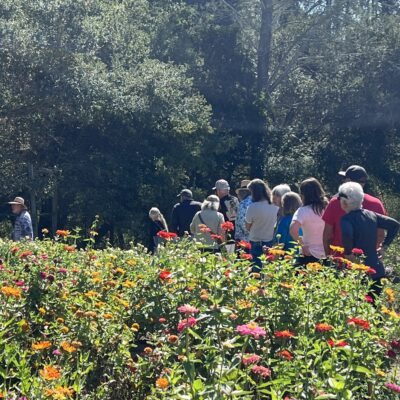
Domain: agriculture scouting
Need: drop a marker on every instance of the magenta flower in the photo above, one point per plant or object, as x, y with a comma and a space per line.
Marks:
251, 329
43, 275
188, 309
185, 323
57, 352
19, 283
62, 270
250, 359
260, 370
393, 386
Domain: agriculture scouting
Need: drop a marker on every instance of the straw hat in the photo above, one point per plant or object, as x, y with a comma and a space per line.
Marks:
19, 201
243, 186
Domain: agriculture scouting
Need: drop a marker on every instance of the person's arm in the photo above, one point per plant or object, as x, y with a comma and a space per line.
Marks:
294, 230
248, 219
391, 226
17, 234
327, 237
347, 237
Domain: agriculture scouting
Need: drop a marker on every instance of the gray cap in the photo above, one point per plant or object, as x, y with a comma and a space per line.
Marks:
186, 193
221, 184
355, 173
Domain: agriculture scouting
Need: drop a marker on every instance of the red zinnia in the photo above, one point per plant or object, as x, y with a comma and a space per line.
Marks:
284, 334
216, 237
358, 252
189, 322
322, 327
165, 275
340, 343
286, 354
227, 226
246, 256
244, 244
359, 322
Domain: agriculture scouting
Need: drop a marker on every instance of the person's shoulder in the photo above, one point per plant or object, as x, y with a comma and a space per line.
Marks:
177, 205
195, 203
371, 201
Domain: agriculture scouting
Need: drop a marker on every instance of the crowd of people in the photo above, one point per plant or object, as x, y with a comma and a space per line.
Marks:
306, 222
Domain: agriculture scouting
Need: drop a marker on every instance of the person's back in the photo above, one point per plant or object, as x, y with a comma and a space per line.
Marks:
23, 227
262, 215
334, 213
182, 216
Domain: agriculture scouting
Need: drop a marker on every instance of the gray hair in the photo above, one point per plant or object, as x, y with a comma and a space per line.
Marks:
211, 203
280, 190
353, 195
156, 213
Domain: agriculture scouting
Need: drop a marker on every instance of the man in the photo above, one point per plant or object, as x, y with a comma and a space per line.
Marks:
183, 213
228, 204
333, 213
241, 233
23, 223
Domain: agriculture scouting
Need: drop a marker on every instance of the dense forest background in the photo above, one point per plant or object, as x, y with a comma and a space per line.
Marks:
110, 107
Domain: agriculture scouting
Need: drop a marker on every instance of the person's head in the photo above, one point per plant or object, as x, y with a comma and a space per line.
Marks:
313, 195
211, 203
351, 196
221, 188
155, 214
291, 201
17, 205
278, 192
355, 173
259, 191
243, 191
185, 194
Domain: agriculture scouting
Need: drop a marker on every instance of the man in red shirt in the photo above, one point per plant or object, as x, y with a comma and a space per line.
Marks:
333, 212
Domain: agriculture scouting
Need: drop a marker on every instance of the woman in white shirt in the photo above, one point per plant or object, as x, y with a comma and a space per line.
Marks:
261, 216
309, 219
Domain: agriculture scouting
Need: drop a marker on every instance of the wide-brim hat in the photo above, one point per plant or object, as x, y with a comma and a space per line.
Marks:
18, 201
243, 186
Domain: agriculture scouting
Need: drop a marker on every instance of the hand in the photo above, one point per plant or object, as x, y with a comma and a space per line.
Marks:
382, 251
305, 251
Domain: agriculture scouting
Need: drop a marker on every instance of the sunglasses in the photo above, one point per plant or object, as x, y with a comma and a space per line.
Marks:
342, 195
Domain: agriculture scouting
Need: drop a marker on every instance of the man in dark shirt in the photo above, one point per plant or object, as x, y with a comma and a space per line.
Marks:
183, 213
359, 228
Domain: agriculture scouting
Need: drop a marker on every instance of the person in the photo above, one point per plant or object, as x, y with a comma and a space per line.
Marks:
309, 219
207, 223
277, 194
333, 212
244, 196
260, 218
359, 229
23, 223
158, 224
228, 204
183, 213
291, 202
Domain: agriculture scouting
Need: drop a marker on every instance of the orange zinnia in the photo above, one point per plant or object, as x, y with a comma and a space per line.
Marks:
41, 345
162, 383
11, 292
63, 233
60, 392
68, 347
49, 373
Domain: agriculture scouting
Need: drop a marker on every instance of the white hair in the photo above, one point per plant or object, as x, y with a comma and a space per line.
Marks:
211, 203
353, 195
281, 189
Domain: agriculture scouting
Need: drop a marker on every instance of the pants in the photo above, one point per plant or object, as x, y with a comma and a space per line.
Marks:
256, 251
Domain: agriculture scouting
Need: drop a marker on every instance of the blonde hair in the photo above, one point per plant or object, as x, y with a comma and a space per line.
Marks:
211, 203
156, 213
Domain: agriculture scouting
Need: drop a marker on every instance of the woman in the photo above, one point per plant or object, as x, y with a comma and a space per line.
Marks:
360, 229
158, 224
308, 218
261, 216
277, 195
207, 223
291, 202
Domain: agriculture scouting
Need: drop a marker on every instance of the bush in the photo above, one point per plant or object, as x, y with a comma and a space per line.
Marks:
115, 324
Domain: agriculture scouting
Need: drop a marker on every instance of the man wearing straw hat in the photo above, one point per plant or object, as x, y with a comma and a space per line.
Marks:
243, 193
23, 223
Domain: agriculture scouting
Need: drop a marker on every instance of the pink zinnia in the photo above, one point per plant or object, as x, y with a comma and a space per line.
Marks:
368, 298
20, 283
260, 370
57, 352
250, 359
185, 323
251, 329
393, 386
188, 309
358, 252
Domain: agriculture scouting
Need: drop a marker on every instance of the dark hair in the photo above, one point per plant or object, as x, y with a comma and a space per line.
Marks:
259, 191
313, 195
291, 201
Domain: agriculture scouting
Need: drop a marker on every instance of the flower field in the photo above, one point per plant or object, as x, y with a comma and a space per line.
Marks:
114, 324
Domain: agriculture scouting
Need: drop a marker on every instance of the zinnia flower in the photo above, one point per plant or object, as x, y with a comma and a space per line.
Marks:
393, 386
244, 244
165, 275
322, 327
68, 347
286, 354
359, 322
188, 309
162, 383
337, 249
357, 252
49, 373
260, 370
11, 292
227, 226
368, 298
250, 359
284, 334
41, 345
167, 235
395, 344
216, 237
60, 392
246, 256
63, 233
340, 343
185, 323
251, 329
